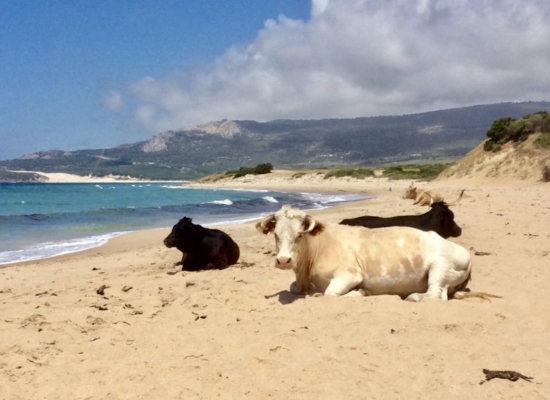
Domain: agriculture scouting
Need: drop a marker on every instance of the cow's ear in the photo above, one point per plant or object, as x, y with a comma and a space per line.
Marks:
266, 225
312, 227
318, 228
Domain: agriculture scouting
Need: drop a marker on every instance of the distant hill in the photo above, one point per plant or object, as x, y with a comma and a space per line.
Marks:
292, 144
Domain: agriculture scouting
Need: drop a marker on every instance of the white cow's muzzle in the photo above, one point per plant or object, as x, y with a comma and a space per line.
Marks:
283, 262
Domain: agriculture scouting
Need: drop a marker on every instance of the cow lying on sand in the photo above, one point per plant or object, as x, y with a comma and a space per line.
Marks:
439, 219
202, 248
348, 260
427, 197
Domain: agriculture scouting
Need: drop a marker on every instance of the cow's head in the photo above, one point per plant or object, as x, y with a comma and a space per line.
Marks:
182, 233
289, 226
410, 192
446, 218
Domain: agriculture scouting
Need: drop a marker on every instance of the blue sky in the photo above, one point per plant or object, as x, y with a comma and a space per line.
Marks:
96, 74
59, 58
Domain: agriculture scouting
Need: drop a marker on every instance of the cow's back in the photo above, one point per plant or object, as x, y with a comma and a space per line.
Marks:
393, 260
232, 250
223, 243
368, 221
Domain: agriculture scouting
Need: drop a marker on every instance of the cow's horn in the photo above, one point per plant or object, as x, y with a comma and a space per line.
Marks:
266, 225
309, 224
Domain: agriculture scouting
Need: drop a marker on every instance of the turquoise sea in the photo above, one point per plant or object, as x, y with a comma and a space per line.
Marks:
39, 220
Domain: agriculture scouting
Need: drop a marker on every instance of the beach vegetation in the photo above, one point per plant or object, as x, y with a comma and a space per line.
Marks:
491, 146
264, 168
406, 171
358, 173
298, 175
543, 141
507, 129
424, 172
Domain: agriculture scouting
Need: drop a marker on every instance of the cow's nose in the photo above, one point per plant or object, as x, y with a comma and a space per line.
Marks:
283, 260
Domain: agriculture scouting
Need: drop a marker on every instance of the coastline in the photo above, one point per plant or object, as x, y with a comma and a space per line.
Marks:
321, 197
213, 327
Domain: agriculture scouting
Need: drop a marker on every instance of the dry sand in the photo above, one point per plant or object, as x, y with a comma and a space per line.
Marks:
239, 333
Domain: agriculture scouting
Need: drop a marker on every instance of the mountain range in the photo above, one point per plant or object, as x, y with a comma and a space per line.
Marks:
224, 145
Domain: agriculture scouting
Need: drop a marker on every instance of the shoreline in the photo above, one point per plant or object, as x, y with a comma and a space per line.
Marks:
157, 324
101, 239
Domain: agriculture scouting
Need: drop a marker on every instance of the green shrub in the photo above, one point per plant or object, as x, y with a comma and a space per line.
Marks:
259, 169
499, 130
265, 168
242, 172
298, 175
491, 146
517, 130
543, 141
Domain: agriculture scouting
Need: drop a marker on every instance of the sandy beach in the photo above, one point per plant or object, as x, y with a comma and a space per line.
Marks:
61, 177
239, 333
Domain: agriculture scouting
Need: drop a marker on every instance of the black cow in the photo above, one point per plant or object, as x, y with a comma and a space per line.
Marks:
439, 219
202, 248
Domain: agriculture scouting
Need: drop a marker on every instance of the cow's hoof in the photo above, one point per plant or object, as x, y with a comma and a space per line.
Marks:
364, 292
415, 297
294, 288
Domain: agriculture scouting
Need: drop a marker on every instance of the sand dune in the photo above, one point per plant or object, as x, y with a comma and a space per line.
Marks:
239, 333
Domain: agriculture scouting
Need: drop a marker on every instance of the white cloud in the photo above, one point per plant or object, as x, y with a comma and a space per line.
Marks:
318, 7
362, 58
113, 101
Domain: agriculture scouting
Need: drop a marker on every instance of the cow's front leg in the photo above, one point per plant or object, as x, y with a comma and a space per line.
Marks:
296, 288
342, 284
220, 263
184, 256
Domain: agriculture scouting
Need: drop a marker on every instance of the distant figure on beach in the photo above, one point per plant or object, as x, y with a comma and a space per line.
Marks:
427, 197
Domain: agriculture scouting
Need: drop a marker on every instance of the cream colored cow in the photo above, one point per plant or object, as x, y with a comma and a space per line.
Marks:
427, 197
347, 260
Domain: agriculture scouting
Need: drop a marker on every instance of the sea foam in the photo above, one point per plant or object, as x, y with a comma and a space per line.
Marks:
49, 249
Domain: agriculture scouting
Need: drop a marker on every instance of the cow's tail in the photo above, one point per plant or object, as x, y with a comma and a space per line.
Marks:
478, 295
462, 293
458, 199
